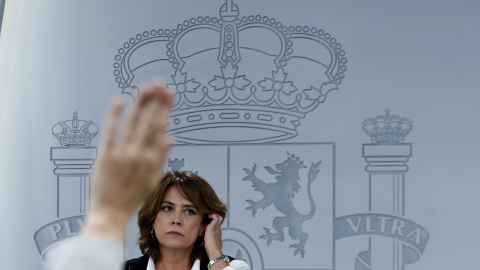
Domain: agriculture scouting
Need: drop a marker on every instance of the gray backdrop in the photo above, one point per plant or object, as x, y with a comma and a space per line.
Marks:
342, 134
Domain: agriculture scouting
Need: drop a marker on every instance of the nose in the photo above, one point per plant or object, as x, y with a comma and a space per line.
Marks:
176, 220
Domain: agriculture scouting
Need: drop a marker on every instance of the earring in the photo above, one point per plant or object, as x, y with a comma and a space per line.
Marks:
152, 232
203, 242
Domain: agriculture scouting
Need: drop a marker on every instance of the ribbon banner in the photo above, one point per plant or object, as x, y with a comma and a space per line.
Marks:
406, 231
57, 231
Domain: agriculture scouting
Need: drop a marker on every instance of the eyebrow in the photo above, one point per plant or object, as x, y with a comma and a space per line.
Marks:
185, 205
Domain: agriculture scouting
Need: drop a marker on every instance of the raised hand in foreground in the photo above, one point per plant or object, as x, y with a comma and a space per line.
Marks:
129, 160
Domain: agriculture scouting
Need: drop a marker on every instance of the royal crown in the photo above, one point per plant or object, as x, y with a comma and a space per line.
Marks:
232, 73
387, 129
296, 159
75, 133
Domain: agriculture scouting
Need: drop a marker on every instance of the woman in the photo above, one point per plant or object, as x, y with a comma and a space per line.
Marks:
180, 227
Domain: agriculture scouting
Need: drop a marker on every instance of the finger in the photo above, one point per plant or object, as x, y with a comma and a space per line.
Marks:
162, 112
111, 123
216, 221
148, 126
161, 155
220, 221
134, 115
166, 99
156, 115
163, 150
215, 216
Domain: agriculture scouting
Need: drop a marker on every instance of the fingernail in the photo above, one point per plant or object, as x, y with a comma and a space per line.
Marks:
171, 90
159, 81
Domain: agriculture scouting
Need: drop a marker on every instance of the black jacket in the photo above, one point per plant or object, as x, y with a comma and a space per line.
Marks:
142, 262
137, 264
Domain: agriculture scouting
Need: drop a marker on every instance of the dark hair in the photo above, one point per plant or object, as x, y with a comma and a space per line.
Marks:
196, 190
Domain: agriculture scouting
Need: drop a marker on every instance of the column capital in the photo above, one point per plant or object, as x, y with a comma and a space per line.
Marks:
73, 161
387, 158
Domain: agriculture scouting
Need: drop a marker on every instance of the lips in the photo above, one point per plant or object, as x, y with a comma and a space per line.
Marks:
174, 233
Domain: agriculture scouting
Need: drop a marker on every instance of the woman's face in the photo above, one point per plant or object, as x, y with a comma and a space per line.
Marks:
178, 223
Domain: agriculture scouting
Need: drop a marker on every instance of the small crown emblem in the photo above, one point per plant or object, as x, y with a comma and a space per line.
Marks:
387, 129
233, 72
75, 133
296, 159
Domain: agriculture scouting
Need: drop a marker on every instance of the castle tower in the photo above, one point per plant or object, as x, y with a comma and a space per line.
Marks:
73, 162
387, 158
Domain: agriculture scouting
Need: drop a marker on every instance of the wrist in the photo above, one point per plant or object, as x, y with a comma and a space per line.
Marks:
106, 223
214, 254
218, 262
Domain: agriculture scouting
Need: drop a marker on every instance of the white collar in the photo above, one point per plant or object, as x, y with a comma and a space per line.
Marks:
151, 264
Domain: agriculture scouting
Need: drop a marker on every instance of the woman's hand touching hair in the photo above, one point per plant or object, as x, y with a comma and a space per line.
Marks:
213, 240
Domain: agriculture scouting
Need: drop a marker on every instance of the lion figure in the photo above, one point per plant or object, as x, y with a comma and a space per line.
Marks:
280, 194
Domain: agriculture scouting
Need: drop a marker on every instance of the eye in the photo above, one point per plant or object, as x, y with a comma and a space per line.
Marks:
167, 208
190, 212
